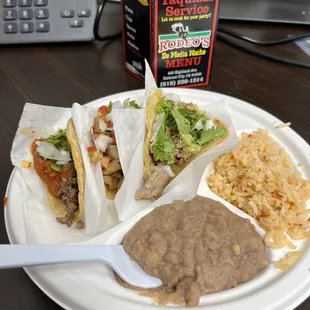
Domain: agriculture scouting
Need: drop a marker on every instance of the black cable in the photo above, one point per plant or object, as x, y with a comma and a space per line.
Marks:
224, 35
226, 38
262, 43
97, 36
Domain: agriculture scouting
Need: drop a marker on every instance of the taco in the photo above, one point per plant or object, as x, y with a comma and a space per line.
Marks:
105, 149
176, 134
58, 162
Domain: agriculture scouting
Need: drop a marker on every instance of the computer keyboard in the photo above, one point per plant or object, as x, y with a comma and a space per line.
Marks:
33, 21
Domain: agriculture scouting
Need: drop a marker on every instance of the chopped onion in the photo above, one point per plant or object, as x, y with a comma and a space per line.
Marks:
102, 142
172, 96
117, 105
125, 102
61, 162
166, 168
49, 151
48, 132
198, 125
159, 120
209, 124
102, 125
109, 117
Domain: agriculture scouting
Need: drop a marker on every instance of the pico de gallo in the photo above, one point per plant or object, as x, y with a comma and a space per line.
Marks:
105, 149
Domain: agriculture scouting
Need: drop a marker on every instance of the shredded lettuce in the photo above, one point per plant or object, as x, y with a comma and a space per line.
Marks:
170, 120
163, 148
204, 136
194, 116
160, 119
190, 124
183, 124
165, 106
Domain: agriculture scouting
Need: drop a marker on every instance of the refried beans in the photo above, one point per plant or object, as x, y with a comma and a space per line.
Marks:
195, 247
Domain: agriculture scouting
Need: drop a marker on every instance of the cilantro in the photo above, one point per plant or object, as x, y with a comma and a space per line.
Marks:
133, 104
56, 167
110, 106
163, 149
204, 136
59, 140
99, 132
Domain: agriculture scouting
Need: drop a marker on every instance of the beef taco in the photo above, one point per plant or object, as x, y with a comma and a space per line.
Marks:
58, 162
176, 134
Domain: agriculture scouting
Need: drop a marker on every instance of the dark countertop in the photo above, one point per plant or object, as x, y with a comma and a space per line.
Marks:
62, 74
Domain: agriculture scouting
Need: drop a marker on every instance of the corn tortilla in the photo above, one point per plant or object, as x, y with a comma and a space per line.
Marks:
149, 164
58, 207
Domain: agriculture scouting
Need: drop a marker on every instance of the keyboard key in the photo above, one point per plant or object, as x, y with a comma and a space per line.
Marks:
25, 3
9, 3
76, 23
41, 13
26, 27
40, 2
67, 13
9, 14
84, 13
42, 26
10, 28
25, 14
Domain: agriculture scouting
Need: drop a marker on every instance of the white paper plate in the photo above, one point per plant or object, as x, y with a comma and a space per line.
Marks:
91, 286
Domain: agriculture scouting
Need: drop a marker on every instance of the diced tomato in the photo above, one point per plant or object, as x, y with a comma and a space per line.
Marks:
109, 124
53, 174
104, 110
91, 149
113, 138
93, 155
105, 161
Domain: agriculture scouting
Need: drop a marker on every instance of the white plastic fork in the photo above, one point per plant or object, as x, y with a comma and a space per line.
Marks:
18, 256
